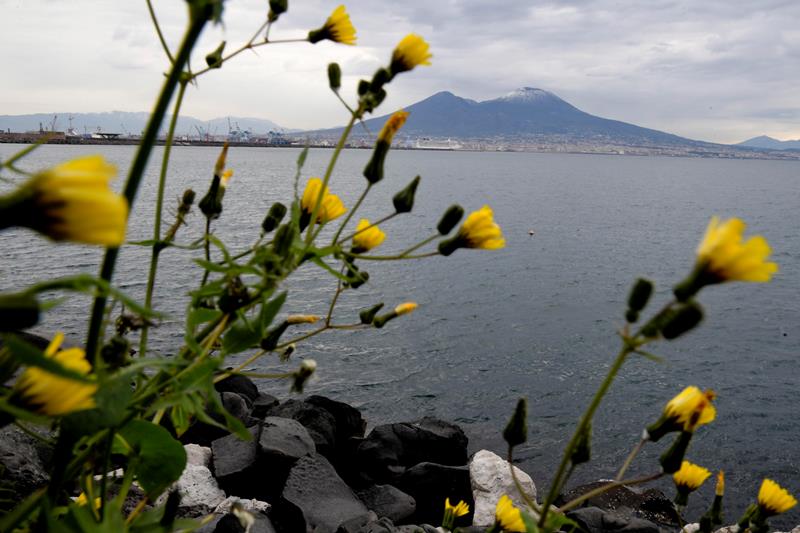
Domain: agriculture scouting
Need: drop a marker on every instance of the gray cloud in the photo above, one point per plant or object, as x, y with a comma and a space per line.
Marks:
705, 70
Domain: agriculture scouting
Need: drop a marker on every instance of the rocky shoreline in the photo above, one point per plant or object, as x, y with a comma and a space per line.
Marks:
311, 468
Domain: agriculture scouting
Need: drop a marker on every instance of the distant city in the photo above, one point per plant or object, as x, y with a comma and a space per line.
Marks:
525, 120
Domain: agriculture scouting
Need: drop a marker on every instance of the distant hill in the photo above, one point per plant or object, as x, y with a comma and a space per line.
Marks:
768, 143
131, 123
524, 113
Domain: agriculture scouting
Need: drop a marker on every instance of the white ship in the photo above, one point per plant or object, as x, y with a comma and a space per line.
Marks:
431, 144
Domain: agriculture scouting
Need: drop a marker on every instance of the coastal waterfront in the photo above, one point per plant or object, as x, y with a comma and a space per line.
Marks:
537, 319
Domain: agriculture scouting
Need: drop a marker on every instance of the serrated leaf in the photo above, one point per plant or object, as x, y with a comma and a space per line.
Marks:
160, 458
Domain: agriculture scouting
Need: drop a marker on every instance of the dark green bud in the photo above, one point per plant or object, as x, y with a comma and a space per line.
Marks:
363, 87
448, 246
371, 99
374, 169
671, 459
357, 277
274, 217
582, 452
631, 316
368, 315
653, 328
381, 321
234, 297
284, 238
214, 59
116, 351
450, 219
381, 77
276, 8
270, 341
516, 431
404, 200
686, 318
188, 197
640, 295
18, 311
211, 203
334, 76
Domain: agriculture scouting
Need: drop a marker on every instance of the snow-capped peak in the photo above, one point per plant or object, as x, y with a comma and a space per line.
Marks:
526, 94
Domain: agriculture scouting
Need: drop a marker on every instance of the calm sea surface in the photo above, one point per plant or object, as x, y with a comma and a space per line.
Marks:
537, 319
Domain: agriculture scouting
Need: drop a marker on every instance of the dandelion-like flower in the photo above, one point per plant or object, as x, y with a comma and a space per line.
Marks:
687, 480
366, 237
337, 28
226, 177
690, 476
392, 125
55, 395
410, 52
451, 512
723, 256
774, 499
685, 412
507, 516
330, 208
73, 202
479, 230
405, 308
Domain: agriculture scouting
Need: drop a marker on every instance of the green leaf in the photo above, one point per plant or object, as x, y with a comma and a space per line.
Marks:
211, 266
322, 264
112, 398
530, 522
201, 315
270, 310
84, 283
240, 336
160, 458
29, 355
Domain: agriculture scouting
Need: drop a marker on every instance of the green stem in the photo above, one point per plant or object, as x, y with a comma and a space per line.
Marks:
605, 488
630, 458
559, 480
528, 500
392, 257
247, 46
327, 178
162, 181
207, 247
420, 245
351, 213
136, 172
158, 31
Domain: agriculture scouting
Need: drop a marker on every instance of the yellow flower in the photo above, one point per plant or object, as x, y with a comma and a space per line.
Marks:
72, 201
726, 256
481, 231
54, 395
226, 177
508, 516
337, 28
331, 206
691, 408
301, 319
366, 237
690, 476
411, 51
405, 308
82, 500
394, 123
774, 499
460, 509
720, 488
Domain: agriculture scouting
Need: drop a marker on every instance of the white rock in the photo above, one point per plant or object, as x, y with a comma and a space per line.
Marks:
691, 528
728, 529
198, 455
200, 493
491, 478
252, 506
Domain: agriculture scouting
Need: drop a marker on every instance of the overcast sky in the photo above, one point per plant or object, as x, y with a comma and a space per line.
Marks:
716, 70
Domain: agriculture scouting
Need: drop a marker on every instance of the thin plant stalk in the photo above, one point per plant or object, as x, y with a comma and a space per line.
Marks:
351, 213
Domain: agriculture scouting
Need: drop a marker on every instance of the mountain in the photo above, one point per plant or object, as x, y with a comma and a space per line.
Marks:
133, 123
526, 113
768, 143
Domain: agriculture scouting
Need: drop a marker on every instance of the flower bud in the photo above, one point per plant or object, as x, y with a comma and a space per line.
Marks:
115, 352
374, 169
368, 315
685, 319
363, 87
672, 459
516, 431
301, 319
211, 204
188, 197
18, 311
404, 200
274, 216
276, 8
357, 277
582, 452
450, 219
214, 59
405, 308
284, 238
306, 370
270, 341
334, 76
640, 294
381, 78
